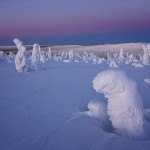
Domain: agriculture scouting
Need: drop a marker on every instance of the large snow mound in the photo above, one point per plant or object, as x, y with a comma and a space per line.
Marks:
125, 107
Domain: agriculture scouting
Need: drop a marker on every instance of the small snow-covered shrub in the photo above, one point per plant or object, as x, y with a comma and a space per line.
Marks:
35, 58
125, 107
97, 110
42, 56
101, 60
113, 64
11, 57
138, 65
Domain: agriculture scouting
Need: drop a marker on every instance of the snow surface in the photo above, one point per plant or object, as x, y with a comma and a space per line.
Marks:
36, 108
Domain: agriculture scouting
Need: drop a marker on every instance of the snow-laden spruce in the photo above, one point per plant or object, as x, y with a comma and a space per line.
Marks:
1, 55
21, 60
49, 53
35, 58
71, 55
113, 64
121, 56
146, 59
125, 107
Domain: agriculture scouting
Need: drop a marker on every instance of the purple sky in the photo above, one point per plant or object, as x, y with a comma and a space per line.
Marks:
58, 18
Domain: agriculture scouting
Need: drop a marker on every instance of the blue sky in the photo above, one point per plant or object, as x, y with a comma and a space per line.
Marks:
62, 19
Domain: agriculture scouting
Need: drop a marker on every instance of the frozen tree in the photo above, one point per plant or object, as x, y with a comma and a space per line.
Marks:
101, 60
85, 57
35, 58
115, 56
49, 53
93, 58
121, 56
42, 55
71, 55
1, 55
131, 57
127, 59
113, 64
108, 57
148, 47
21, 61
140, 57
125, 107
11, 57
145, 56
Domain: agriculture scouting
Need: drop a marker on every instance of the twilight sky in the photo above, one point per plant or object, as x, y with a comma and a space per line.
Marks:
78, 19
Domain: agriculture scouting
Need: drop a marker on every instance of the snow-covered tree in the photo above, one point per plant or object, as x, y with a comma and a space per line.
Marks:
100, 60
115, 56
146, 59
131, 57
71, 55
108, 57
125, 107
49, 54
35, 58
113, 64
42, 55
140, 57
121, 56
11, 57
21, 61
1, 55
85, 57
